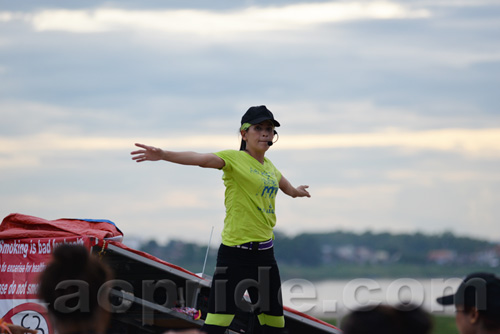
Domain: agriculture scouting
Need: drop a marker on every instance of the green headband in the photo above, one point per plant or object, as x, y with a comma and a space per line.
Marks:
245, 126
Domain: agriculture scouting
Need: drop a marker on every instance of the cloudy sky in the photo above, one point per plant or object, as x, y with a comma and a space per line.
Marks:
389, 111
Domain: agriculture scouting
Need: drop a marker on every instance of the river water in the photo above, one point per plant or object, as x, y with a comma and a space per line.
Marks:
335, 298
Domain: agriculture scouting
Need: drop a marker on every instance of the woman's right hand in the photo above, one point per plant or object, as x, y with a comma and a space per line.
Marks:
148, 153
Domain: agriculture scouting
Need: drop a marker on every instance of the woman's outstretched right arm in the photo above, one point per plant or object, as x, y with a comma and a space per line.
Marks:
150, 153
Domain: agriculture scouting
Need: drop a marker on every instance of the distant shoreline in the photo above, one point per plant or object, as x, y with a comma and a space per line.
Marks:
376, 271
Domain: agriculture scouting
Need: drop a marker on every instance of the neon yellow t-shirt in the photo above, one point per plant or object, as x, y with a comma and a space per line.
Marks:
251, 189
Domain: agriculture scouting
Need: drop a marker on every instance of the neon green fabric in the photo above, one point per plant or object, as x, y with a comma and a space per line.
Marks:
222, 320
245, 126
271, 320
251, 189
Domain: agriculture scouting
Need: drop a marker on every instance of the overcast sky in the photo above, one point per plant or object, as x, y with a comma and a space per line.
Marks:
389, 111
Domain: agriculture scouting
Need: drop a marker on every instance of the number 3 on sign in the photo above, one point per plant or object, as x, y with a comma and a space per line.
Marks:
30, 316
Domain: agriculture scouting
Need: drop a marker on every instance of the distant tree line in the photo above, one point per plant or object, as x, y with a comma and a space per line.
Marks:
310, 249
335, 248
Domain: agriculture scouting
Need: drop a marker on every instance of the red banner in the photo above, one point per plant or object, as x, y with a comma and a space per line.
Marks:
21, 262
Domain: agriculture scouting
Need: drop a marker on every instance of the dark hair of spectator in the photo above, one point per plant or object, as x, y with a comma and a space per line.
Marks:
71, 268
384, 319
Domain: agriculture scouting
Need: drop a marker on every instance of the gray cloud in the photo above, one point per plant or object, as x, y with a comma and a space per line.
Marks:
435, 69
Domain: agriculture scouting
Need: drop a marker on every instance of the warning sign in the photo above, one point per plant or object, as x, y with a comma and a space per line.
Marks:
21, 262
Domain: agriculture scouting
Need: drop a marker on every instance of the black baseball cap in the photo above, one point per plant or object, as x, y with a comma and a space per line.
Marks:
480, 290
255, 115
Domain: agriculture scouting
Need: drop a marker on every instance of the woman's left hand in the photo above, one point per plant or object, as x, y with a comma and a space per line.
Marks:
287, 188
302, 191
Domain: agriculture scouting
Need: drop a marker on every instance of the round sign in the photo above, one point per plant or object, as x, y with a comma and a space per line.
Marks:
30, 316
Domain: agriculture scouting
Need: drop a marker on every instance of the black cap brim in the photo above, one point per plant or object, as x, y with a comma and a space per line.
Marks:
262, 119
446, 300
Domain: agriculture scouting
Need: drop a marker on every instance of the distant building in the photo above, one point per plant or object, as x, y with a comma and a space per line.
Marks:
361, 254
489, 257
442, 256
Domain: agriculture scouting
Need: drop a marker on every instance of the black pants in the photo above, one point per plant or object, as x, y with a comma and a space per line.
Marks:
239, 270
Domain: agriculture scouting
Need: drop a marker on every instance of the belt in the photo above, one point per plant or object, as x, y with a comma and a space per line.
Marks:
256, 245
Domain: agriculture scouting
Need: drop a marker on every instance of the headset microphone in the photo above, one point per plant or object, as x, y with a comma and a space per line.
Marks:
270, 143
